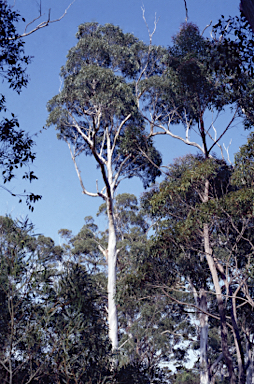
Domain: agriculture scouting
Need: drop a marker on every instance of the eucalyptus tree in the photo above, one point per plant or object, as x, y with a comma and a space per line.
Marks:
199, 78
178, 206
96, 114
179, 269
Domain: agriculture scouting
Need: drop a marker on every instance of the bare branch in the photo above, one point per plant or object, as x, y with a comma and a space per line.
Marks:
103, 250
120, 168
148, 158
226, 149
207, 26
126, 341
215, 364
215, 139
84, 191
225, 130
14, 2
186, 11
45, 23
118, 131
149, 51
155, 24
168, 132
178, 335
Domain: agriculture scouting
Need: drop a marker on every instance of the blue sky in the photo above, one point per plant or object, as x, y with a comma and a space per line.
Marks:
63, 205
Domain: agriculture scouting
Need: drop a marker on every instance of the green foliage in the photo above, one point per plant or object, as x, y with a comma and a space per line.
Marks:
16, 147
199, 76
23, 283
85, 245
149, 326
243, 174
236, 42
108, 46
138, 373
78, 327
185, 83
98, 100
52, 317
53, 321
176, 255
13, 61
185, 376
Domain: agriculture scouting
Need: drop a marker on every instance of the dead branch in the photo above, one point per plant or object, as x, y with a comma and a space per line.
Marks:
186, 11
43, 24
207, 26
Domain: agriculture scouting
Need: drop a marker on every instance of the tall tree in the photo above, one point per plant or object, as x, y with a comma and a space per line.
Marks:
178, 204
200, 76
96, 114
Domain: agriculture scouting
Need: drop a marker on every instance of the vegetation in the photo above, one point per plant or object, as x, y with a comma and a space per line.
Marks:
16, 147
170, 280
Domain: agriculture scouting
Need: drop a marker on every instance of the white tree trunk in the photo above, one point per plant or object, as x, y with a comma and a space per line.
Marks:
112, 258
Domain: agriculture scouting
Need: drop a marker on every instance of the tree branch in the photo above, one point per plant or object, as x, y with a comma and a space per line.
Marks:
43, 24
186, 12
168, 132
189, 304
84, 191
223, 133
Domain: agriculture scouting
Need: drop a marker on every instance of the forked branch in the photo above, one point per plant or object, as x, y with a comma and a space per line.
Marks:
43, 24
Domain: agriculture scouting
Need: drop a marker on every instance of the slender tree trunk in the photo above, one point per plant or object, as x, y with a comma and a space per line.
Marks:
112, 258
203, 318
213, 270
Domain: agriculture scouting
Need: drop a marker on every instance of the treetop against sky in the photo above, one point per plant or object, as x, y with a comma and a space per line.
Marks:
63, 205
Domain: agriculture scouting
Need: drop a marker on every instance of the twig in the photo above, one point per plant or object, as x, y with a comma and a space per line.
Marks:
43, 23
186, 11
208, 25
226, 149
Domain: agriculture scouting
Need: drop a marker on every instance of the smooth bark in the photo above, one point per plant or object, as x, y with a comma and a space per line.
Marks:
112, 258
215, 278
